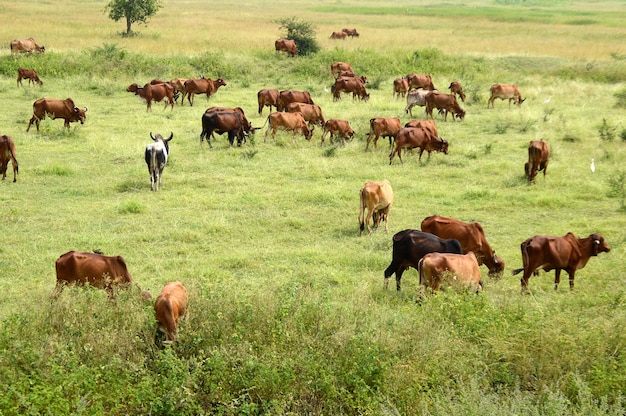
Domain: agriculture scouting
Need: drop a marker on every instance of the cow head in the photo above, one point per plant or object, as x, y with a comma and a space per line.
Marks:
160, 138
308, 134
443, 146
598, 245
460, 114
133, 88
495, 264
79, 115
519, 100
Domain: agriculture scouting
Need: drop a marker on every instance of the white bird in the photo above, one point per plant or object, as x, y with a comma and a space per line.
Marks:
593, 166
548, 100
325, 89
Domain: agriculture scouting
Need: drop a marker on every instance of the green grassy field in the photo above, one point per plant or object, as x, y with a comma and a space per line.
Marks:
287, 310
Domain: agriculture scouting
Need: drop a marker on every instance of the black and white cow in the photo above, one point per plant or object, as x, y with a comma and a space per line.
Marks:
156, 158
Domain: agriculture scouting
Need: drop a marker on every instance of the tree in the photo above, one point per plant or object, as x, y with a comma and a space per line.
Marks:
133, 11
302, 32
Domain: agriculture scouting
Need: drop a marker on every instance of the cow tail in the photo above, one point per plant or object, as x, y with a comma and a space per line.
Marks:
420, 270
362, 209
525, 260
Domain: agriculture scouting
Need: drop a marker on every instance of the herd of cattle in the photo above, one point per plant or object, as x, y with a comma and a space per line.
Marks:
445, 251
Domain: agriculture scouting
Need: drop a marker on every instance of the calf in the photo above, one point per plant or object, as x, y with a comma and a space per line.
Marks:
400, 87
411, 138
377, 198
7, 154
169, 306
156, 155
341, 128
29, 74
456, 88
457, 270
538, 158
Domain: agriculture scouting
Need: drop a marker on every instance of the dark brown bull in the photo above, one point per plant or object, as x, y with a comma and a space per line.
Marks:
268, 98
558, 253
349, 85
286, 45
383, 126
445, 102
225, 120
7, 154
53, 108
25, 45
287, 97
149, 93
411, 138
538, 158
206, 86
420, 81
29, 74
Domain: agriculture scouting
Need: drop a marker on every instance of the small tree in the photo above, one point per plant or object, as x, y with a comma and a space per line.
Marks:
133, 11
303, 33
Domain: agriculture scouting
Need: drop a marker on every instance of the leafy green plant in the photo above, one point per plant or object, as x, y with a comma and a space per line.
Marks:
302, 32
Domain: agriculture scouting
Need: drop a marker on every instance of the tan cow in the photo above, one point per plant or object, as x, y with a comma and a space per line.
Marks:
338, 35
337, 67
268, 98
312, 113
29, 74
459, 271
377, 198
294, 122
538, 158
339, 128
169, 306
286, 45
420, 81
7, 154
25, 45
400, 87
383, 126
206, 86
505, 92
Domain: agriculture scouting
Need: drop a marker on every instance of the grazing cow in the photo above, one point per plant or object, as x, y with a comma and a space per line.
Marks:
460, 271
340, 128
446, 102
351, 32
25, 45
312, 113
349, 84
558, 253
169, 306
411, 138
338, 67
409, 246
349, 74
428, 125
415, 97
470, 235
29, 74
287, 97
54, 108
286, 45
149, 92
156, 157
538, 158
383, 126
225, 120
505, 92
420, 81
400, 87
268, 98
456, 88
290, 122
102, 272
206, 86
338, 35
377, 198
7, 154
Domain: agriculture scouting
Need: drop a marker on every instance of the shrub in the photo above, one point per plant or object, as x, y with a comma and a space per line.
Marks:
302, 32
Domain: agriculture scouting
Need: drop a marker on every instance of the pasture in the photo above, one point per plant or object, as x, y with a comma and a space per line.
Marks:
287, 310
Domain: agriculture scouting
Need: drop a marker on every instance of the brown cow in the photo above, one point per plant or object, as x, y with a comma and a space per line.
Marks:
226, 120
460, 271
411, 138
340, 128
377, 197
456, 88
538, 158
312, 113
290, 122
287, 97
7, 154
97, 270
29, 74
25, 45
351, 32
179, 86
428, 125
445, 102
149, 93
54, 108
169, 306
470, 235
349, 85
338, 35
337, 67
268, 98
420, 81
400, 87
206, 86
383, 126
286, 45
558, 253
505, 92
415, 97
349, 74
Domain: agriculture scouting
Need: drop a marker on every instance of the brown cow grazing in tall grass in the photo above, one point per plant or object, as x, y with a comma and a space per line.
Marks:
7, 154
169, 306
538, 158
460, 271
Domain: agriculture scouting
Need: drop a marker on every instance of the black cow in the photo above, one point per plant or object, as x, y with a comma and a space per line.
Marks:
409, 246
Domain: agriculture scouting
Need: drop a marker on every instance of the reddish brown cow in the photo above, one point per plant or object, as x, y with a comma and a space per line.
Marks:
102, 272
460, 271
179, 85
339, 128
338, 35
290, 122
169, 306
411, 138
286, 45
428, 125
287, 97
420, 81
349, 85
351, 32
446, 102
29, 74
7, 154
25, 45
312, 113
54, 108
538, 158
337, 67
377, 198
505, 92
206, 86
268, 98
225, 120
400, 87
558, 253
470, 235
149, 93
456, 88
383, 126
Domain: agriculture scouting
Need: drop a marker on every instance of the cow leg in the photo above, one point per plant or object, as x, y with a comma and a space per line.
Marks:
524, 279
399, 277
571, 279
557, 278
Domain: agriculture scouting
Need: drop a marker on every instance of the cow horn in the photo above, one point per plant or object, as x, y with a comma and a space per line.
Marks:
171, 136
152, 137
